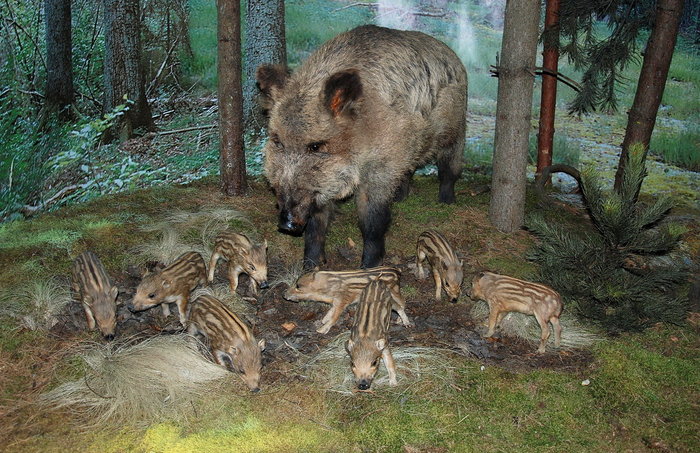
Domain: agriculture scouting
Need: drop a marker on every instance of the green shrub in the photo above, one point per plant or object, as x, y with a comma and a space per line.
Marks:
621, 274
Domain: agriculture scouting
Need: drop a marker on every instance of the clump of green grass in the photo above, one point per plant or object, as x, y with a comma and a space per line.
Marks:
680, 148
564, 150
36, 306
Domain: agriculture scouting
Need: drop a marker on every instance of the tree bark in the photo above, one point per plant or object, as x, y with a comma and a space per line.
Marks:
265, 43
548, 101
652, 80
233, 174
123, 70
513, 113
60, 94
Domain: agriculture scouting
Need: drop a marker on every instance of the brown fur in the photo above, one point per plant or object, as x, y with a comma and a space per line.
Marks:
91, 284
505, 294
243, 258
447, 268
369, 337
172, 284
358, 117
342, 288
231, 341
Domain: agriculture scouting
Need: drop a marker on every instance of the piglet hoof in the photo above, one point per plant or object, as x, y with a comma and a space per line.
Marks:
323, 329
393, 382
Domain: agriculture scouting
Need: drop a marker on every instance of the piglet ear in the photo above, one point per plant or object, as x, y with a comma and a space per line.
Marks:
224, 359
270, 80
113, 292
261, 344
341, 91
381, 344
349, 345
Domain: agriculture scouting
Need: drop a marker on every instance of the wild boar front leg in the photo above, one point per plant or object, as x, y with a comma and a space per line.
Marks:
438, 282
165, 308
89, 316
399, 306
544, 325
332, 316
234, 271
181, 303
315, 237
375, 217
493, 318
390, 365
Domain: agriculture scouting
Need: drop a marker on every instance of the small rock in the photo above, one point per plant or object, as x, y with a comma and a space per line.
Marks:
586, 382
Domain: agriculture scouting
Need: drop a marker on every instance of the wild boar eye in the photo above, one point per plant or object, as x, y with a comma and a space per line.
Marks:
252, 267
375, 363
315, 146
152, 296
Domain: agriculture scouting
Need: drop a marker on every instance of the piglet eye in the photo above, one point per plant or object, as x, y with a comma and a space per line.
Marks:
375, 363
315, 146
252, 267
152, 296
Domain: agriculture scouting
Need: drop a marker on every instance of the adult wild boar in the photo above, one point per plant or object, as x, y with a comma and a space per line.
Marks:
358, 117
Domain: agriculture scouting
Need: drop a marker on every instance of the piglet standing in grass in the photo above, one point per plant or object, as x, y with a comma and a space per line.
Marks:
505, 294
172, 284
231, 341
243, 257
369, 336
91, 284
433, 248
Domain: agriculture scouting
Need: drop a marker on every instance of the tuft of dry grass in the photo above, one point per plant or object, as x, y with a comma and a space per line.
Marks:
159, 378
168, 247
231, 300
36, 306
214, 218
330, 368
286, 274
574, 335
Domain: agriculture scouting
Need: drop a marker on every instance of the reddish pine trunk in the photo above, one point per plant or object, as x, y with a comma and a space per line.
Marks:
545, 137
233, 175
652, 80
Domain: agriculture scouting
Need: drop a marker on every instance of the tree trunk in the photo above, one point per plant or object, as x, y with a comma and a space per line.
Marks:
513, 113
652, 80
548, 101
265, 43
123, 71
59, 70
233, 176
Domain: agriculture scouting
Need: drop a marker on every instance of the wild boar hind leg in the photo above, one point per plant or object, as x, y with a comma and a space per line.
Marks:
450, 115
315, 237
375, 217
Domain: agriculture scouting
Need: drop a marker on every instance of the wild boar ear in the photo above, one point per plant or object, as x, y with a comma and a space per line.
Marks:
166, 283
261, 344
381, 344
224, 359
349, 345
113, 292
341, 91
270, 80
265, 244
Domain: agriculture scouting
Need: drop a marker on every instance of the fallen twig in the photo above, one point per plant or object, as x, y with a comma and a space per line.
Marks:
187, 129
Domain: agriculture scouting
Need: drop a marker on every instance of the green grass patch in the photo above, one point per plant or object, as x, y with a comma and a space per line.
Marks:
681, 148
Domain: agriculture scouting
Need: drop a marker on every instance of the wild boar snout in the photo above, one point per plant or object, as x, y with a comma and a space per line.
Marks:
264, 284
364, 384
